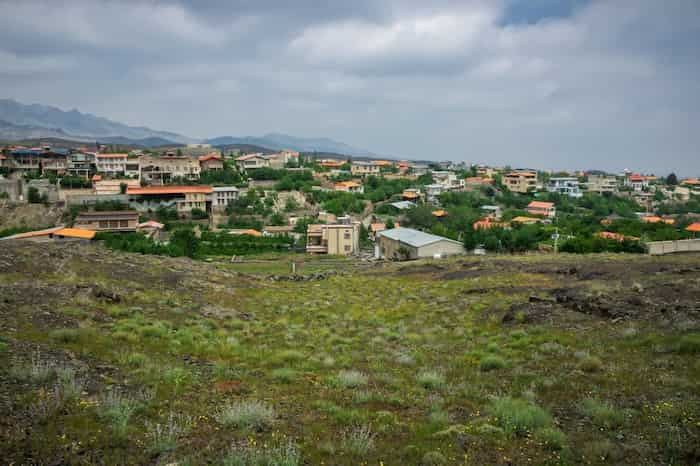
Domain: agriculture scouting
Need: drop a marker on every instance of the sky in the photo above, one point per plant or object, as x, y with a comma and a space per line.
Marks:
560, 84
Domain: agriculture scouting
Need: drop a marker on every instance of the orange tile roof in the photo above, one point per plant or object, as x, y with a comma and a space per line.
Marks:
249, 232
525, 174
154, 190
375, 227
655, 219
112, 156
75, 233
36, 233
439, 213
615, 236
213, 156
691, 181
248, 157
410, 195
382, 163
694, 227
522, 219
486, 224
540, 205
347, 184
332, 163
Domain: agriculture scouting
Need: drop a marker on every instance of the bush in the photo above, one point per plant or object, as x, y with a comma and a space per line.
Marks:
602, 414
590, 364
552, 438
491, 362
517, 416
284, 374
350, 379
433, 458
253, 455
250, 414
358, 441
430, 380
65, 335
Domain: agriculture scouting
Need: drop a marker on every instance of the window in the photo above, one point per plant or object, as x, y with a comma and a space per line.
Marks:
347, 248
347, 235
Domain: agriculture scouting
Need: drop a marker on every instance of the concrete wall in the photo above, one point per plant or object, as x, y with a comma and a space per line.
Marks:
657, 248
443, 248
390, 249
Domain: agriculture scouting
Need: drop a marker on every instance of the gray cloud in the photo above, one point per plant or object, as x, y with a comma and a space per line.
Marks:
609, 84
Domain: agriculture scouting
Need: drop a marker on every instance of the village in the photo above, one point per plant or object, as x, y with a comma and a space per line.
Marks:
308, 203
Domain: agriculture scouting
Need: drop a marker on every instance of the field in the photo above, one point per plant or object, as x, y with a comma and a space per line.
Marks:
115, 358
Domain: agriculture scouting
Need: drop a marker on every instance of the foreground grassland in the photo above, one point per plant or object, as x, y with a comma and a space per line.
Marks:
110, 358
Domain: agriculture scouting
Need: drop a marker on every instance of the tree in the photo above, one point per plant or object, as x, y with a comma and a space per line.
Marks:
122, 188
390, 224
672, 179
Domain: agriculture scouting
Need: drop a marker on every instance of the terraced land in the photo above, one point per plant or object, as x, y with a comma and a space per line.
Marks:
109, 358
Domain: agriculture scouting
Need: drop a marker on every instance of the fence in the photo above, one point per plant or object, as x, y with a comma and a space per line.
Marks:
658, 248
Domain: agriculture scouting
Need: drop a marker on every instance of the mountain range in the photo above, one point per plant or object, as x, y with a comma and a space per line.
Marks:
20, 121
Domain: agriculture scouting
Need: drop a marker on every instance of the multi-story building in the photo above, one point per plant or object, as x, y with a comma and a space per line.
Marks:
181, 198
222, 195
162, 170
112, 187
114, 221
252, 161
449, 180
44, 160
638, 182
81, 164
521, 181
282, 159
349, 187
565, 185
433, 191
360, 168
211, 162
111, 164
132, 168
341, 239
601, 184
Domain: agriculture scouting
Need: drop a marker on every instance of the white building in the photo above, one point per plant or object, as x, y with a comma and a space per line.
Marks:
449, 180
566, 186
111, 164
433, 191
601, 184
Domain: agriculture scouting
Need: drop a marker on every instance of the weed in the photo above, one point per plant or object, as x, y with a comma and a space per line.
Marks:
65, 335
433, 458
289, 356
359, 441
163, 437
284, 375
590, 364
350, 379
133, 359
251, 414
602, 414
550, 437
689, 344
518, 416
438, 419
68, 386
37, 371
117, 409
253, 455
430, 380
491, 362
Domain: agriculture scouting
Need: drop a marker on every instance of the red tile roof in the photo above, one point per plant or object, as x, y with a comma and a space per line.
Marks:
540, 205
212, 156
154, 190
694, 227
112, 156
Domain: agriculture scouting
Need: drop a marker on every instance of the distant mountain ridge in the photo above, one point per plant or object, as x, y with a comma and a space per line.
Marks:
19, 121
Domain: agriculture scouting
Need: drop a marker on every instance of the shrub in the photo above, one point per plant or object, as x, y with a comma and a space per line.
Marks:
689, 344
491, 362
433, 458
602, 414
590, 364
518, 416
252, 455
438, 419
134, 359
290, 356
552, 438
350, 379
431, 380
37, 371
117, 409
358, 441
251, 414
164, 436
284, 374
65, 335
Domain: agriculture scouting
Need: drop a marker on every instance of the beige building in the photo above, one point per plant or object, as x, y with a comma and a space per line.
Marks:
521, 182
364, 168
407, 243
115, 221
283, 158
162, 170
601, 184
181, 198
252, 161
341, 239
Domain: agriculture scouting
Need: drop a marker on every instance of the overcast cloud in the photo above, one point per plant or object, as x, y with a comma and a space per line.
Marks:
539, 83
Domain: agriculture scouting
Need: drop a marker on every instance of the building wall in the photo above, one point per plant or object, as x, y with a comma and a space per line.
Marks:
107, 224
342, 241
391, 249
657, 248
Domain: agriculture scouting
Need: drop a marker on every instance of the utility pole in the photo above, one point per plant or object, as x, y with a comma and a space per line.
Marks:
556, 240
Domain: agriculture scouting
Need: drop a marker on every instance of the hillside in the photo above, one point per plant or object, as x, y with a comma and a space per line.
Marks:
129, 359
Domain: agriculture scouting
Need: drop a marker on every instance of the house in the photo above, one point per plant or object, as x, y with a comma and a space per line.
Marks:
211, 162
111, 164
283, 159
407, 243
521, 181
638, 182
113, 221
181, 198
245, 231
151, 229
449, 180
132, 168
526, 220
433, 192
492, 211
484, 171
615, 236
168, 168
81, 164
375, 228
364, 168
565, 185
111, 187
439, 213
475, 182
54, 234
349, 187
655, 219
44, 160
601, 184
488, 223
331, 163
252, 161
545, 209
223, 195
694, 228
341, 239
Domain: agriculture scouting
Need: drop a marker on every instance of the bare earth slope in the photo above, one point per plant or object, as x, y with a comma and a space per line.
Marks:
109, 358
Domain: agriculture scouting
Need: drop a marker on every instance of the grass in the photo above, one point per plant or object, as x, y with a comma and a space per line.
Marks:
358, 441
689, 344
590, 364
65, 335
284, 375
602, 414
551, 438
253, 455
117, 409
491, 363
518, 416
248, 414
350, 379
164, 436
430, 380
